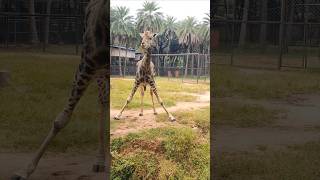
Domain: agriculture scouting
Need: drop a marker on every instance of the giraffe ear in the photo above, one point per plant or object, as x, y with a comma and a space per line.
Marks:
141, 34
154, 35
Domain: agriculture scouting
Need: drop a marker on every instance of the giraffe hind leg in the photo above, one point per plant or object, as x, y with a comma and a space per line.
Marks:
134, 89
154, 90
142, 89
81, 82
154, 109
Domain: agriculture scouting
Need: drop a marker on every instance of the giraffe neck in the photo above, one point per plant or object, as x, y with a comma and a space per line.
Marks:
146, 58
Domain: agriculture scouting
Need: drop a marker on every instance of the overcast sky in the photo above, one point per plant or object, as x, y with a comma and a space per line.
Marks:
180, 9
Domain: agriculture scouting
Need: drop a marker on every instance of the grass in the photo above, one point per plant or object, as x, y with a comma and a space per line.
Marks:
244, 115
171, 153
165, 153
40, 85
169, 91
263, 84
196, 118
295, 163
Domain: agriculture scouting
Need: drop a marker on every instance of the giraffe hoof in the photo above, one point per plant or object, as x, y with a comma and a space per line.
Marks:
140, 114
171, 118
117, 117
98, 168
18, 177
155, 113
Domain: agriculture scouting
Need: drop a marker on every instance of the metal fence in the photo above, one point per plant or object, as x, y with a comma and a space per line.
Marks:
267, 33
187, 67
57, 25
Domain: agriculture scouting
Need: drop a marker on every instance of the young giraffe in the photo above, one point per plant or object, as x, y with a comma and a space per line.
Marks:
145, 76
94, 65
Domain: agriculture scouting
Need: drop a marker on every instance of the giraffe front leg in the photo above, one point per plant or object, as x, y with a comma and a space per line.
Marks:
154, 89
81, 82
134, 89
154, 109
100, 164
141, 103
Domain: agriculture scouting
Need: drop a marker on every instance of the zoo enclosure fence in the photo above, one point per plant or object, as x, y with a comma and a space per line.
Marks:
267, 34
186, 67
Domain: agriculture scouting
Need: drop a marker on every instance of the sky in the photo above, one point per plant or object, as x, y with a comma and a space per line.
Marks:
179, 9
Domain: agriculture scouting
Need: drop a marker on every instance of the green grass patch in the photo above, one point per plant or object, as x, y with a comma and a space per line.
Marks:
295, 163
39, 88
229, 81
244, 115
169, 91
170, 153
196, 118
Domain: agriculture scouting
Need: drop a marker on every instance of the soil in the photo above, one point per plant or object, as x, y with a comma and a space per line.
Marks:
300, 124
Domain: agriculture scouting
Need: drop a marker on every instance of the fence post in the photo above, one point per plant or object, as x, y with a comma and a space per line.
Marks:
198, 68
77, 35
186, 70
44, 35
281, 32
7, 31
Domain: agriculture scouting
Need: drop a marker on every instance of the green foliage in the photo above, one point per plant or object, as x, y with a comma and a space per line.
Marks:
137, 165
179, 145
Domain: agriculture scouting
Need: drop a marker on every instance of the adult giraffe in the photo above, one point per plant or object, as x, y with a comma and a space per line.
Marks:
94, 65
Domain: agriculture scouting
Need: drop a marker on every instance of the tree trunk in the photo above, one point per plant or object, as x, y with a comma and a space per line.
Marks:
120, 70
33, 25
126, 58
47, 22
264, 15
243, 31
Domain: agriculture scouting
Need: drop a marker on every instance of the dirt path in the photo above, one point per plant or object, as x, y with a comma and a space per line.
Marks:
51, 167
132, 122
300, 125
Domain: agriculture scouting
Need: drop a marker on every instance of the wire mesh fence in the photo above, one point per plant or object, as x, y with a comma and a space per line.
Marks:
53, 26
267, 34
185, 67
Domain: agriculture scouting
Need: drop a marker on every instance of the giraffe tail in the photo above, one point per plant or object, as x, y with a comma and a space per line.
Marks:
144, 87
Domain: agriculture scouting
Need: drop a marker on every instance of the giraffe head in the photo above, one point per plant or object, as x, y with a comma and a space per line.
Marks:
147, 40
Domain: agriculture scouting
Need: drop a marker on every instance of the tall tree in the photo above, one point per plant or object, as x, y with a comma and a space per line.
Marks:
204, 33
188, 36
122, 28
47, 22
33, 25
149, 17
243, 30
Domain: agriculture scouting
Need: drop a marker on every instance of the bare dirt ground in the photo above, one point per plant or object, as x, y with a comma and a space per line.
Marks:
51, 167
301, 124
78, 166
132, 122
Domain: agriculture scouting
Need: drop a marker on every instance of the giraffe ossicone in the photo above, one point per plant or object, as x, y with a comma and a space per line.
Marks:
145, 76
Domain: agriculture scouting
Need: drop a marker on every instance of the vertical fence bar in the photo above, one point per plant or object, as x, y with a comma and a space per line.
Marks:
44, 33
77, 34
7, 31
198, 68
281, 30
186, 69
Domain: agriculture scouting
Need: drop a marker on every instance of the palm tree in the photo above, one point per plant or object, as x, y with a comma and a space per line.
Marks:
149, 17
204, 32
122, 28
188, 36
